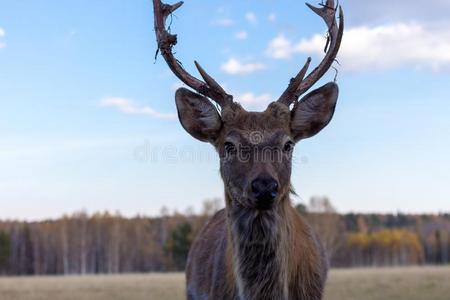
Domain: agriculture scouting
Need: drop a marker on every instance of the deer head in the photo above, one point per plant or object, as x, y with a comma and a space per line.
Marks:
255, 148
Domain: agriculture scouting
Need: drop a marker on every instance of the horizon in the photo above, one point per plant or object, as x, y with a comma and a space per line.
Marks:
88, 118
188, 212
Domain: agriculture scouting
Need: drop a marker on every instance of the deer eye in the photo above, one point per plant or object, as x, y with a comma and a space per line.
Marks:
230, 148
288, 147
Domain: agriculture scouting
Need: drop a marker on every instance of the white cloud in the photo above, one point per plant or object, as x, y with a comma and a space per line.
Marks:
251, 17
280, 47
223, 22
241, 35
235, 67
129, 107
389, 46
385, 11
253, 101
2, 34
272, 17
382, 47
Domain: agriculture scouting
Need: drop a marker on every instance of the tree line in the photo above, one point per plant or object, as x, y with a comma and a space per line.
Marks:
105, 243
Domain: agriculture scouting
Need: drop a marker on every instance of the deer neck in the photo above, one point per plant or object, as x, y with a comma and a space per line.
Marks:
259, 250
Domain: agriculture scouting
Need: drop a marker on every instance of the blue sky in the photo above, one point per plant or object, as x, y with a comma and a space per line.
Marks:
87, 118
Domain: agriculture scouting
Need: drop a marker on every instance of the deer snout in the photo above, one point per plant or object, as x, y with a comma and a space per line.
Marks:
264, 190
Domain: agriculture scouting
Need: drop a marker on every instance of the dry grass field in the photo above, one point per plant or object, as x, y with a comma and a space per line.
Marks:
430, 283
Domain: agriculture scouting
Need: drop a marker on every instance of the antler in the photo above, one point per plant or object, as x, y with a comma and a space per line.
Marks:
299, 84
166, 41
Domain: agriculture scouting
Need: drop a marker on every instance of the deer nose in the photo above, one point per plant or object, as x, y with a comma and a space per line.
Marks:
264, 190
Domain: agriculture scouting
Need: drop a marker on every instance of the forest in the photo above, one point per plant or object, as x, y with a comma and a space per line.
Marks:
105, 243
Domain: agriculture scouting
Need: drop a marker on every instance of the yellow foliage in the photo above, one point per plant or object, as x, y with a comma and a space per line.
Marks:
392, 241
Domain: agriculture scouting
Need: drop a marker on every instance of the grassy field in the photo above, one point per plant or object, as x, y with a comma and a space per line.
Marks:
430, 283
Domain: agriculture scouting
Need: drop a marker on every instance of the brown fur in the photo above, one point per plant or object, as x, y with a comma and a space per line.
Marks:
244, 253
258, 247
210, 269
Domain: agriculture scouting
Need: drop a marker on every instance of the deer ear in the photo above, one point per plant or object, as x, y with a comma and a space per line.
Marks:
311, 114
197, 115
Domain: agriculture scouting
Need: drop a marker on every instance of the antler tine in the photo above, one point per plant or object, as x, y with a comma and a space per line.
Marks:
212, 83
289, 94
166, 41
335, 33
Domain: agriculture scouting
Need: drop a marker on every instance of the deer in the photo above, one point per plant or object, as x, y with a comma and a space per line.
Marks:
258, 246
